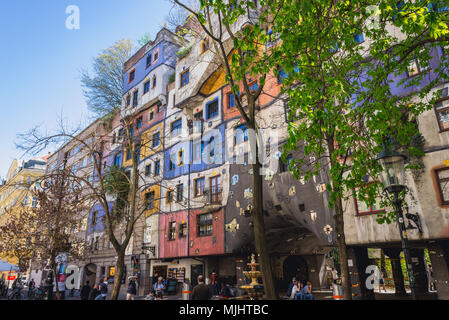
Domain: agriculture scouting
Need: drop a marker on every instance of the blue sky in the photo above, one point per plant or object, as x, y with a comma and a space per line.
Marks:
41, 59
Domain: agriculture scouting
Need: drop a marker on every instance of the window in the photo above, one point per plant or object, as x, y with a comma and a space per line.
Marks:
94, 218
185, 77
282, 75
131, 75
180, 157
118, 160
199, 186
25, 202
363, 209
159, 108
135, 97
176, 128
29, 181
154, 82
183, 230
139, 123
169, 196
128, 100
148, 60
253, 86
215, 189
205, 45
171, 162
442, 114
128, 154
284, 166
358, 38
415, 68
205, 224
231, 99
156, 55
442, 176
151, 116
212, 110
212, 147
156, 141
198, 148
146, 87
149, 200
172, 231
179, 192
157, 168
241, 134
148, 169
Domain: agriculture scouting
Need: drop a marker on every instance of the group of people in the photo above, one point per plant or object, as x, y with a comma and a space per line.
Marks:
97, 292
298, 291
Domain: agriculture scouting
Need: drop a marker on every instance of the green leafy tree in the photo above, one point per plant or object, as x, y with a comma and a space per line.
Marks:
342, 103
103, 89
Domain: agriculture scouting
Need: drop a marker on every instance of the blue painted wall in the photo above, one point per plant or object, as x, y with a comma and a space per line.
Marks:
167, 55
99, 226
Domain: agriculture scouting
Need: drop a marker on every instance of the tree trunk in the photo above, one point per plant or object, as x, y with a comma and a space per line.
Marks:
118, 275
341, 242
259, 234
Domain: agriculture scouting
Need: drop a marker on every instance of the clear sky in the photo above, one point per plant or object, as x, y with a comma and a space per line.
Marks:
40, 59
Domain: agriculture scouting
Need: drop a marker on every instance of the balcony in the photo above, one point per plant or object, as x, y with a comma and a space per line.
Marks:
211, 198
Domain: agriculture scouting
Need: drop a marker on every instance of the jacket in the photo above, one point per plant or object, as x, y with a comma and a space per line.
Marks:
201, 292
132, 288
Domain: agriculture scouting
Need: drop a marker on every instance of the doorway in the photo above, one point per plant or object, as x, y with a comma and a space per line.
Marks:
294, 266
195, 271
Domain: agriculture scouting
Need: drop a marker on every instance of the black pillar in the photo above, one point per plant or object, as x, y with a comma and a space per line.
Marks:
419, 270
439, 256
394, 255
359, 261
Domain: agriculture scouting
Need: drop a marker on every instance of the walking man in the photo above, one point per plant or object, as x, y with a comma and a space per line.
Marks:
201, 291
103, 290
132, 289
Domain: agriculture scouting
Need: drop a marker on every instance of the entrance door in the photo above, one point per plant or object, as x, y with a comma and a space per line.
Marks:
195, 271
294, 266
161, 271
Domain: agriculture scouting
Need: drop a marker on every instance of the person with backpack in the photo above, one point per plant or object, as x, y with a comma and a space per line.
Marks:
85, 291
132, 289
103, 290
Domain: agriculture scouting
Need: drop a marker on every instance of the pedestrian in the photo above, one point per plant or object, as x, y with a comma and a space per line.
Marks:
95, 292
382, 282
295, 289
151, 295
31, 286
85, 291
159, 286
132, 289
307, 292
290, 287
201, 291
103, 290
431, 281
214, 284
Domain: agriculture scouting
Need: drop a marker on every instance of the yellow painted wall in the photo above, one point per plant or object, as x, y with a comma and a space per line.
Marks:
146, 150
157, 196
215, 82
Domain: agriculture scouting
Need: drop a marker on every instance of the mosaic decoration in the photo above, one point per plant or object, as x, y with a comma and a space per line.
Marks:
313, 215
271, 185
292, 191
235, 179
248, 194
242, 212
250, 207
446, 162
223, 171
210, 124
237, 204
269, 175
314, 179
191, 244
251, 171
233, 226
231, 194
329, 238
197, 251
216, 218
321, 188
302, 180
287, 199
328, 229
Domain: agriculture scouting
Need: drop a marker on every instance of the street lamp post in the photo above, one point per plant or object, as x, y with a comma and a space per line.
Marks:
393, 179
